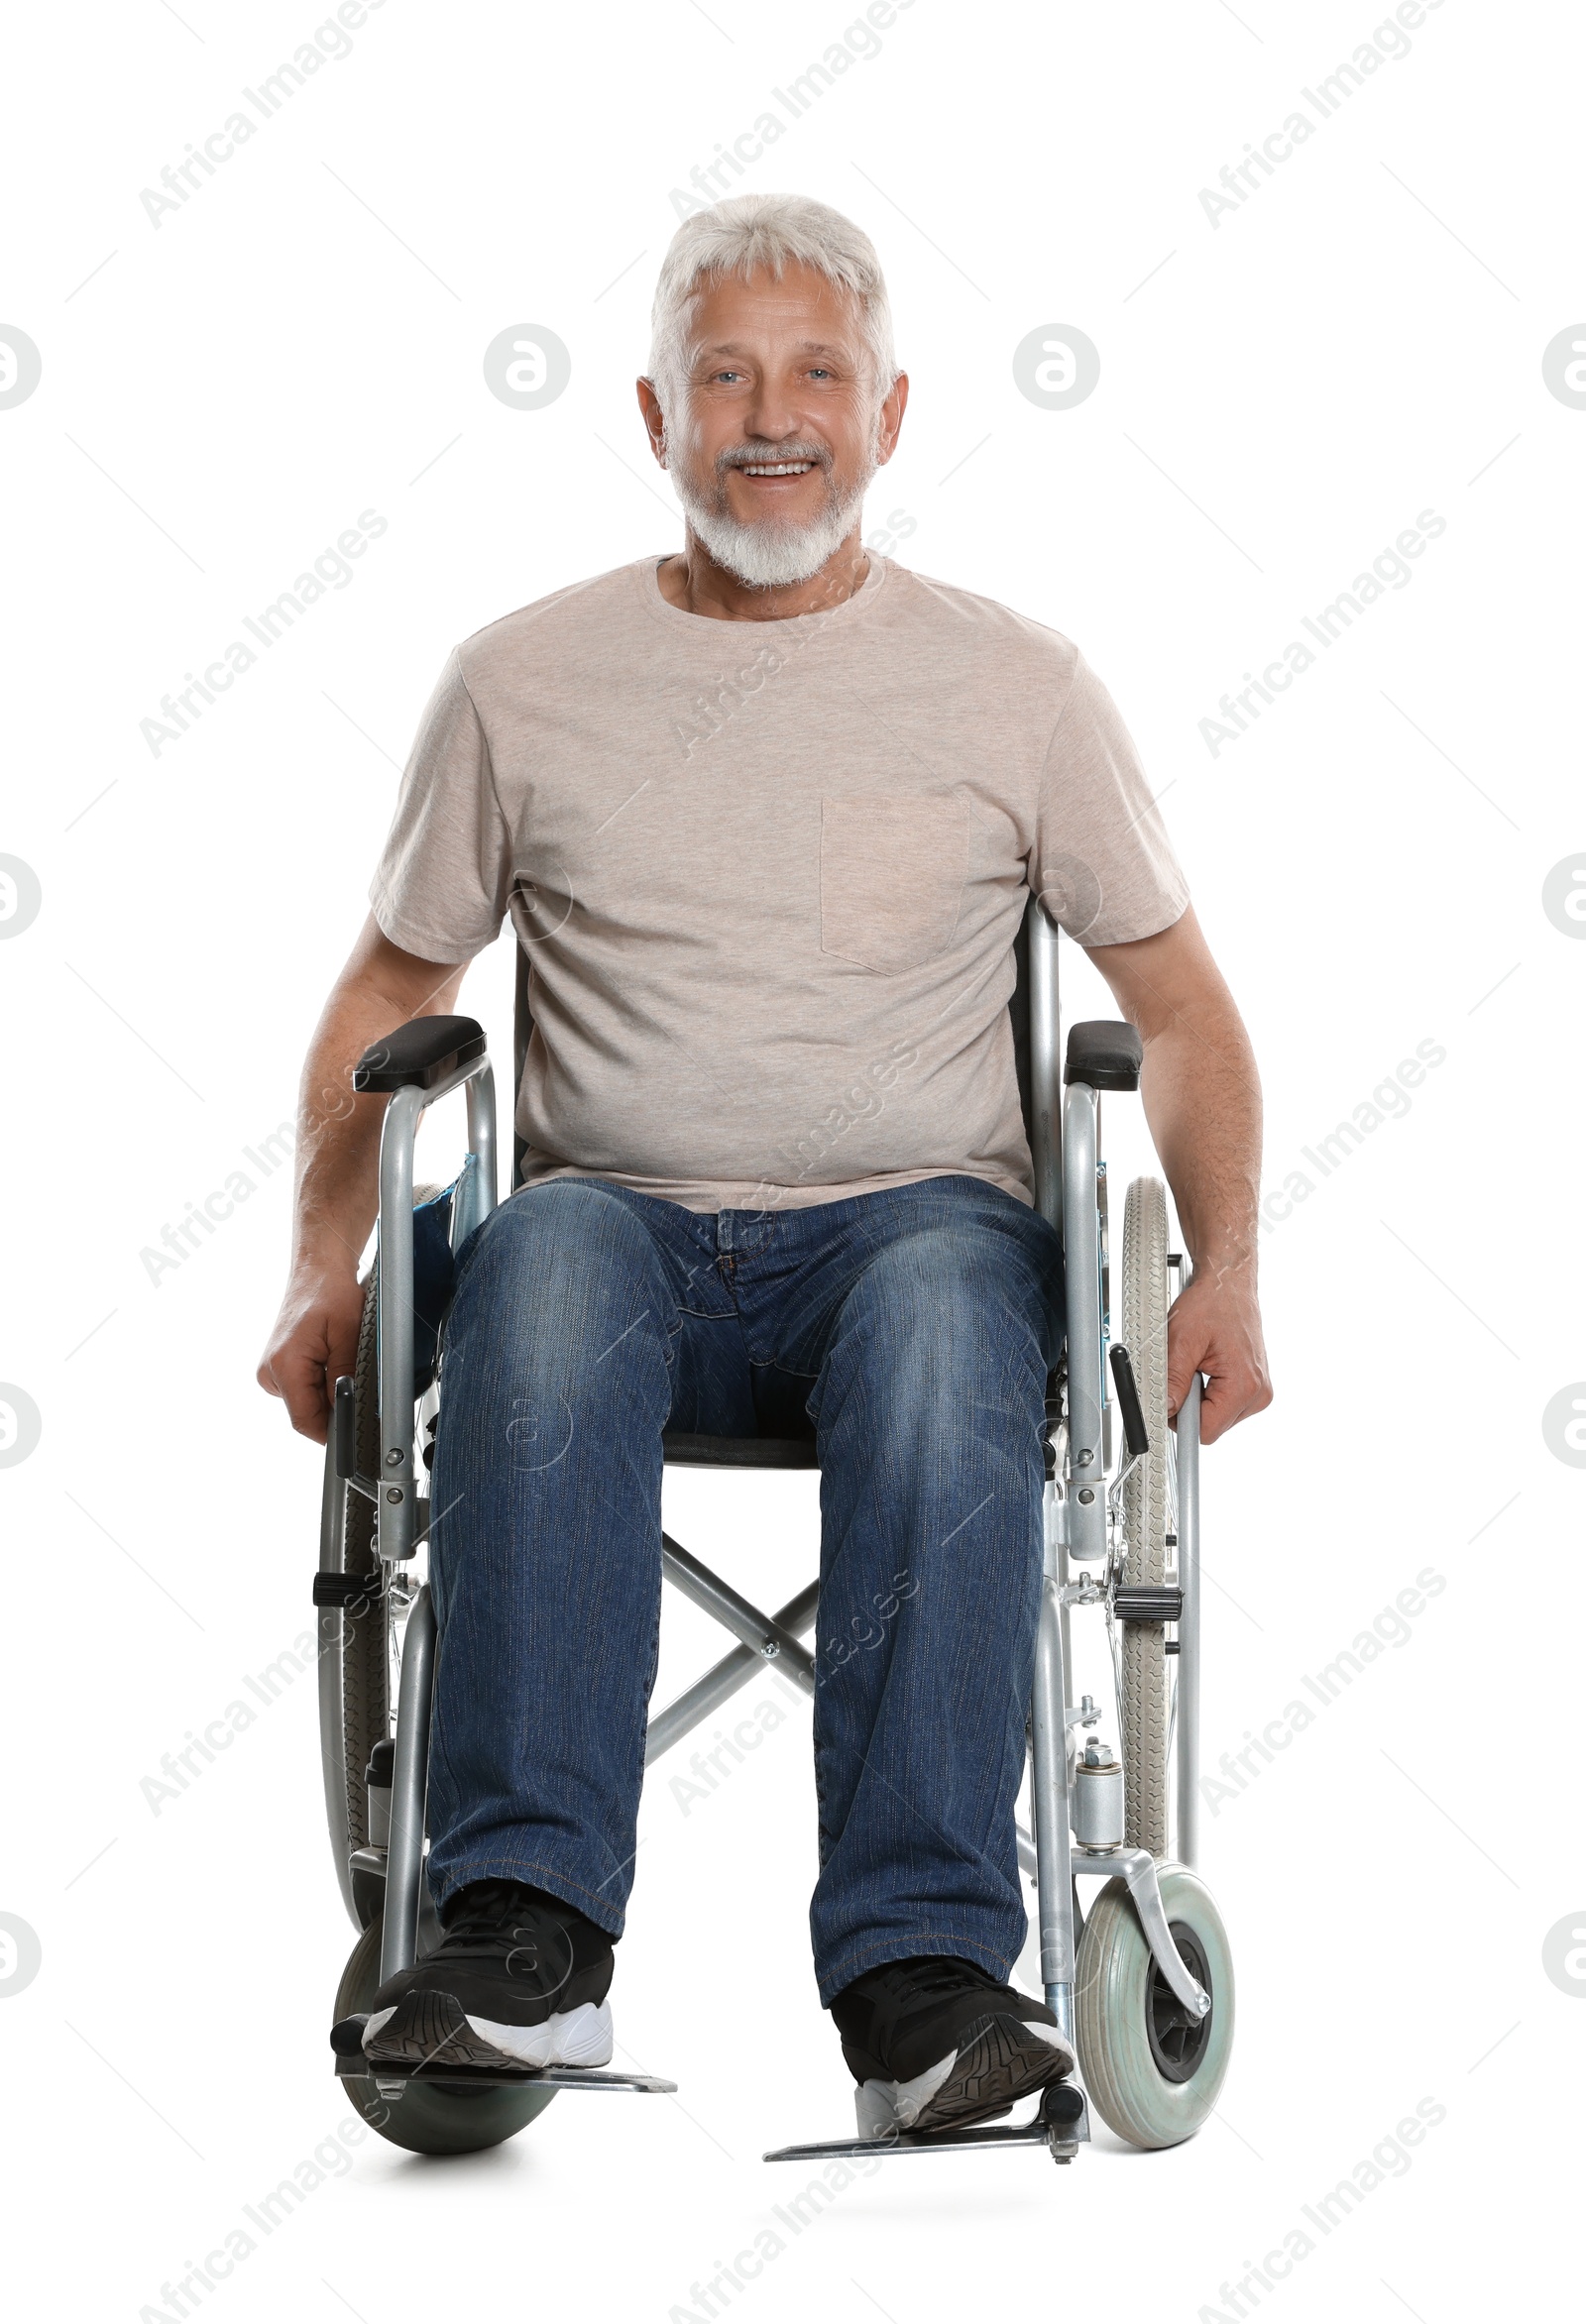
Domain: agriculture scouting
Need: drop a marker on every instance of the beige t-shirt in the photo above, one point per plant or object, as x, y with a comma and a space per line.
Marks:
768, 875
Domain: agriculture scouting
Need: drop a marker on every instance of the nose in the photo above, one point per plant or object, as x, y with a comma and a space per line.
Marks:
770, 418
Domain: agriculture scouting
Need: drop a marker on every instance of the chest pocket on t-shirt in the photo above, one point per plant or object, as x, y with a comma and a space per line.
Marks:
892, 873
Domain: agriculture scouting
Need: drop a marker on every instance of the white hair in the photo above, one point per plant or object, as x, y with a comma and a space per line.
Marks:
772, 230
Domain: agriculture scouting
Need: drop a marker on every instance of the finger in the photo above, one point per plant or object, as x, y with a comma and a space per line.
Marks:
1187, 1354
1215, 1415
313, 1420
1233, 1396
301, 1380
343, 1363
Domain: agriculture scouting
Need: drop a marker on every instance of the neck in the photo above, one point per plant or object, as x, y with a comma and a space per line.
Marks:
696, 583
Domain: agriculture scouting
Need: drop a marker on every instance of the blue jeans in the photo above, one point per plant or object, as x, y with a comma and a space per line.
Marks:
915, 1327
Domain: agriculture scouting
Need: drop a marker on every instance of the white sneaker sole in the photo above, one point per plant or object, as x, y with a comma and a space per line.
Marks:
579, 2036
435, 2034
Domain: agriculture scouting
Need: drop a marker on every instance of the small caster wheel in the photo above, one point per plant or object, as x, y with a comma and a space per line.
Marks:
1062, 2115
1153, 2071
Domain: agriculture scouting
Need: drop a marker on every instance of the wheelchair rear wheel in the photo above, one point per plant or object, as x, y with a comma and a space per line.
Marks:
1146, 1516
1152, 2072
365, 1638
431, 2118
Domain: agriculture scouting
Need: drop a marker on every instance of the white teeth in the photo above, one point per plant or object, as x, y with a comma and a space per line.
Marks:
787, 468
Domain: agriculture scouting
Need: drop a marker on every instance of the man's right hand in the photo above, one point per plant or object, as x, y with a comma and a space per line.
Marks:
314, 1341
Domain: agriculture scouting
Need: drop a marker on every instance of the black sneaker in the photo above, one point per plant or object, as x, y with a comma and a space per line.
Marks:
935, 2042
520, 1978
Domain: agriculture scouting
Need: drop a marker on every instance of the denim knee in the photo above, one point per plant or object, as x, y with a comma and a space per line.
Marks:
955, 1317
561, 1254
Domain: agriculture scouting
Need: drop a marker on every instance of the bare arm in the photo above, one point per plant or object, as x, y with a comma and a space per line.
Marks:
1202, 1101
316, 1338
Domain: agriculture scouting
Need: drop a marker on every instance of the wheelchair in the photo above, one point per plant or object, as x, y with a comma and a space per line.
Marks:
1141, 1983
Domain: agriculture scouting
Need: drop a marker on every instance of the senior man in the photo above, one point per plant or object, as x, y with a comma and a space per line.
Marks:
765, 814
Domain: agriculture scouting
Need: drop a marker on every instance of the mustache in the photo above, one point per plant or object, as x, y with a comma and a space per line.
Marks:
762, 455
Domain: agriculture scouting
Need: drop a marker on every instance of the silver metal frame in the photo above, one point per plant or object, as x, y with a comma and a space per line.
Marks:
1086, 1498
405, 1854
1051, 1806
399, 1507
1187, 1714
1064, 1139
700, 1701
397, 1504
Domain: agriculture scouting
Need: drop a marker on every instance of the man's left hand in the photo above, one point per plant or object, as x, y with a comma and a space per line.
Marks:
1215, 1327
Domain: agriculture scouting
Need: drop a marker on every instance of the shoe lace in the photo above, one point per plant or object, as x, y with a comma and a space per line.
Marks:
540, 1951
492, 1908
931, 1976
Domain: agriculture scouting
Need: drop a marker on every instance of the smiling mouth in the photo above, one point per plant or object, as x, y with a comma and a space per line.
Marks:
776, 468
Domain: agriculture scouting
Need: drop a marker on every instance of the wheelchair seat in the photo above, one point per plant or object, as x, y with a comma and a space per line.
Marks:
682, 1450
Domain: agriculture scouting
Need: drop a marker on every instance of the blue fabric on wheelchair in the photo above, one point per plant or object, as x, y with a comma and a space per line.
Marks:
434, 1280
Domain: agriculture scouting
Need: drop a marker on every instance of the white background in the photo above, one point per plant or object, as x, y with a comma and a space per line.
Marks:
1281, 395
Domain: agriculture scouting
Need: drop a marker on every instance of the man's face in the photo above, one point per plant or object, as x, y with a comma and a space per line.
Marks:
782, 427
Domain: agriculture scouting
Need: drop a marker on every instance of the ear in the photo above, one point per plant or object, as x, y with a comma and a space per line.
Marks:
894, 406
654, 418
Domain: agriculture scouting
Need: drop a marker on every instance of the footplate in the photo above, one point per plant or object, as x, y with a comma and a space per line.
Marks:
1059, 2123
392, 2075
507, 2077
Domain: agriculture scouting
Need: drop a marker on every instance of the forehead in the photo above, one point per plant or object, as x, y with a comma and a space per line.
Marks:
798, 311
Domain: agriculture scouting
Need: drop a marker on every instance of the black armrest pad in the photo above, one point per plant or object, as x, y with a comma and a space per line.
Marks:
419, 1053
1104, 1053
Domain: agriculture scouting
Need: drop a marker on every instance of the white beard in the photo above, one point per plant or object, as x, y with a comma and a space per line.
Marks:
772, 553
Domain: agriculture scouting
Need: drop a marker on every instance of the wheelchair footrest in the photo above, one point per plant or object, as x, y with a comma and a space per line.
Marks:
1059, 2122
347, 2039
506, 2077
